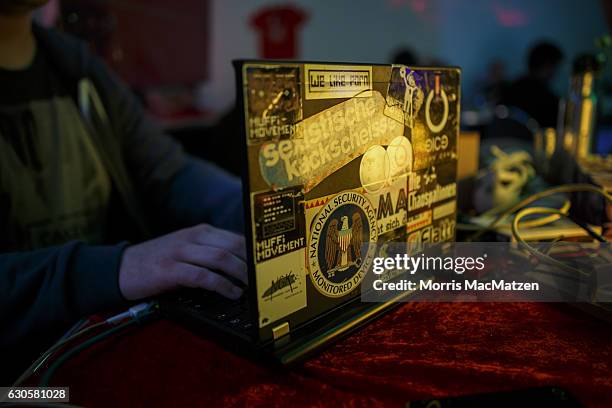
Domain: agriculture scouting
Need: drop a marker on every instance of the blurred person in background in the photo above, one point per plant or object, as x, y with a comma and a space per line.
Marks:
494, 83
532, 92
405, 56
82, 172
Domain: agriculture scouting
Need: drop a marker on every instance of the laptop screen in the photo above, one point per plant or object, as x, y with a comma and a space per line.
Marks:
342, 158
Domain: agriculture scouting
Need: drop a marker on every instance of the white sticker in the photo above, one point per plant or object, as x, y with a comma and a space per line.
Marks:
281, 288
337, 81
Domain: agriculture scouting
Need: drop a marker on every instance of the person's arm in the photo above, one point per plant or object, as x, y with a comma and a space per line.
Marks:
202, 192
49, 288
182, 188
42, 292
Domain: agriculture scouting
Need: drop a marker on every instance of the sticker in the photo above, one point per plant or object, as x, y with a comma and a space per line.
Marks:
281, 286
431, 186
273, 102
326, 141
278, 223
315, 204
444, 209
440, 94
405, 95
419, 221
337, 81
400, 156
391, 205
374, 168
434, 138
312, 209
342, 244
430, 148
380, 167
439, 231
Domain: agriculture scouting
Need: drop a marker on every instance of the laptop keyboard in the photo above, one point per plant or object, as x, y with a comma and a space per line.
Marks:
231, 313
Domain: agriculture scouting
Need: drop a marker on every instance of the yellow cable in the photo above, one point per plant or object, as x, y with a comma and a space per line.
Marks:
567, 188
540, 255
541, 221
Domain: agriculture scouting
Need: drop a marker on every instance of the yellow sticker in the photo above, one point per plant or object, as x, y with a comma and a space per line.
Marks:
444, 209
337, 81
391, 205
342, 244
419, 221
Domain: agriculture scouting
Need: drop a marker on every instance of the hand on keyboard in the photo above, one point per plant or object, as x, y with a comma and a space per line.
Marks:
196, 257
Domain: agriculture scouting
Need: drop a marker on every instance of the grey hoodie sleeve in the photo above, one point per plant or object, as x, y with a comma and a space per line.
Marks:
49, 288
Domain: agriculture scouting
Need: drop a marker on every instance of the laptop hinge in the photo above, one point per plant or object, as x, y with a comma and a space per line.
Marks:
280, 330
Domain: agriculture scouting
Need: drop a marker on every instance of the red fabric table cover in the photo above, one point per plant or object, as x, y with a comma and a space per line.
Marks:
419, 351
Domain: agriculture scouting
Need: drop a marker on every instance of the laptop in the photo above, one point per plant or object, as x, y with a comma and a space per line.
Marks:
339, 160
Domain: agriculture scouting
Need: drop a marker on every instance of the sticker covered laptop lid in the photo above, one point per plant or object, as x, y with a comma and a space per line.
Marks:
341, 159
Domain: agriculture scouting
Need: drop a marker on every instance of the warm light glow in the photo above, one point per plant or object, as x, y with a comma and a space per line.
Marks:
582, 145
550, 137
568, 140
587, 84
510, 17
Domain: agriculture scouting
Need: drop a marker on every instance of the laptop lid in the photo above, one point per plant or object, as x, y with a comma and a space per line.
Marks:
340, 159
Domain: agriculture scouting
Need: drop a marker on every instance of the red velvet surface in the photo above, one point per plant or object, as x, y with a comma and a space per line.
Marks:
419, 351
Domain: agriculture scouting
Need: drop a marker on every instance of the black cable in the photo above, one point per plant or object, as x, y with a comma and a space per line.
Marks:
589, 230
566, 188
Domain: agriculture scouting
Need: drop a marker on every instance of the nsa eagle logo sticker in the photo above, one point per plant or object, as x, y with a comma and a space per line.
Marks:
342, 244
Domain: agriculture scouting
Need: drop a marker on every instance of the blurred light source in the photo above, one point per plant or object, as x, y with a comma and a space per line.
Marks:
469, 118
510, 17
501, 111
418, 6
